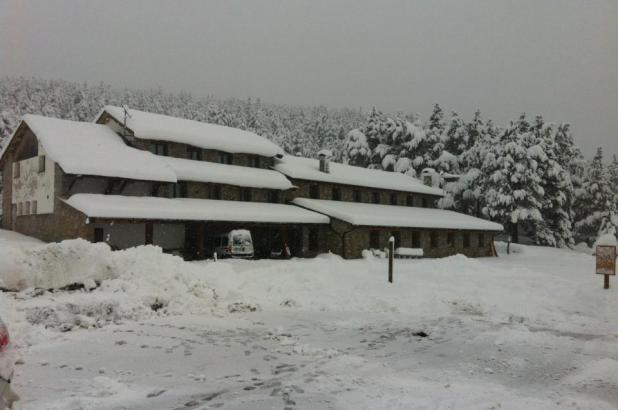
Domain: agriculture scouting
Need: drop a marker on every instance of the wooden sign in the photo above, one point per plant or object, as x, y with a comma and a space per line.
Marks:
606, 260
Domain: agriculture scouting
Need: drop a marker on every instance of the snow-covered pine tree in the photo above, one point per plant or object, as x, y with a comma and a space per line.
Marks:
467, 193
597, 213
555, 227
514, 190
356, 149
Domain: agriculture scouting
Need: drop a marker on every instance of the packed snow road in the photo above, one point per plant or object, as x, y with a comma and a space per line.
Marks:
294, 360
530, 330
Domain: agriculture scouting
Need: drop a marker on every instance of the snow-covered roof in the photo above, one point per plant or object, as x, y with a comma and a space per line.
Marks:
362, 214
84, 148
146, 125
190, 209
202, 171
309, 169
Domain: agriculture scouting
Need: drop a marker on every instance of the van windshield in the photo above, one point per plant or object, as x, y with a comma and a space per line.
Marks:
241, 239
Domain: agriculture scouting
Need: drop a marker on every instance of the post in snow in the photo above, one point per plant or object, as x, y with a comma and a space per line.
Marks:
391, 255
606, 249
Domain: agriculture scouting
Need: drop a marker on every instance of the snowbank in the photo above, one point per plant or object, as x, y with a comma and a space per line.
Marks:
13, 247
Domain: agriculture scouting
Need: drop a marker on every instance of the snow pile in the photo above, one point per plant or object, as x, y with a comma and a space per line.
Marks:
76, 261
608, 239
134, 283
13, 248
111, 286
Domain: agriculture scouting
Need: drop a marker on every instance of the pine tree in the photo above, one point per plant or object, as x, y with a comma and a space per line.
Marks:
514, 190
597, 213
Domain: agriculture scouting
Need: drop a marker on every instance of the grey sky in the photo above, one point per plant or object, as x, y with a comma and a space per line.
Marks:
554, 57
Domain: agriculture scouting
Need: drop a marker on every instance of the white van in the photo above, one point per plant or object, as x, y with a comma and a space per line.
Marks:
234, 244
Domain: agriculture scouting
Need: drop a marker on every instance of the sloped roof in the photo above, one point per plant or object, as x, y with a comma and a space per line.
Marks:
202, 171
84, 148
309, 169
362, 214
190, 209
147, 125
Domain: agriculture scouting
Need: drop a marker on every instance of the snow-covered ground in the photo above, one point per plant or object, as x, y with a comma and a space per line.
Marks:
530, 330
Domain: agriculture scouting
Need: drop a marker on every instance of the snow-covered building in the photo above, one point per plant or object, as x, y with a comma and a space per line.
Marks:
366, 207
133, 177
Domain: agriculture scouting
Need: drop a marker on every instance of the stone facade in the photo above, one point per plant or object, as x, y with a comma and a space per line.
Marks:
327, 190
349, 241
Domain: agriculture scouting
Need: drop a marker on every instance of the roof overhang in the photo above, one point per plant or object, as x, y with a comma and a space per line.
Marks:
361, 214
190, 209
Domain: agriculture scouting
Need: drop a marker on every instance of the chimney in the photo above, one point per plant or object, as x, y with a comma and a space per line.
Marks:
324, 158
430, 177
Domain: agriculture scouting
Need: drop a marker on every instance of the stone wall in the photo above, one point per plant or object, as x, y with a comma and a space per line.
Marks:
326, 190
349, 241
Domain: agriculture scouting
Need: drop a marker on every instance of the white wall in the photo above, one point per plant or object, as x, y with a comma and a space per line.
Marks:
34, 186
127, 235
169, 236
122, 235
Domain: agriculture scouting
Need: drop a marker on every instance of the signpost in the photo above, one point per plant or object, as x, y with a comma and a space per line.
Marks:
391, 255
606, 262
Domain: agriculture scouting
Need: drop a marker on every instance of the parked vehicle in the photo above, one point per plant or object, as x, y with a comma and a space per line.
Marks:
7, 360
234, 244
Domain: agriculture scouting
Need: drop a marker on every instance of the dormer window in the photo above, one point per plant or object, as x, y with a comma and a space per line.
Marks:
225, 157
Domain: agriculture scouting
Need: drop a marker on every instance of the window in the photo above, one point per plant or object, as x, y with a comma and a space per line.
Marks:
450, 239
98, 234
180, 190
274, 196
393, 199
314, 191
336, 194
409, 200
20, 207
27, 210
425, 203
225, 157
158, 148
34, 207
194, 153
41, 164
215, 192
481, 240
416, 239
245, 194
313, 239
254, 162
375, 197
466, 239
356, 196
434, 239
16, 168
374, 239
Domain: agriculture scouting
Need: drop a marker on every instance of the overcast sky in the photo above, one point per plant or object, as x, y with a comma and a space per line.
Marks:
558, 58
